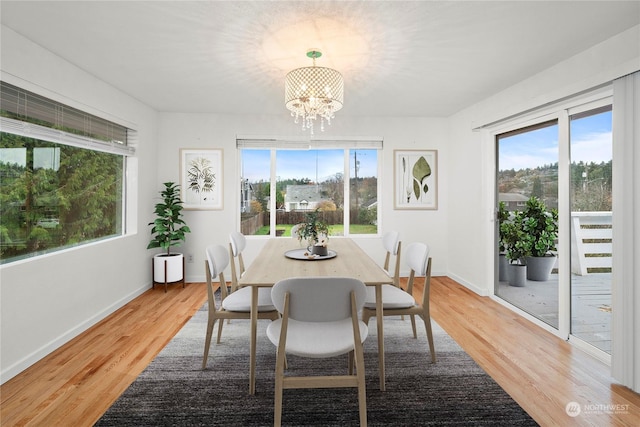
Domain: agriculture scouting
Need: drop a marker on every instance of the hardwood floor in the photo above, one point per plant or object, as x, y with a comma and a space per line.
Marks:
78, 382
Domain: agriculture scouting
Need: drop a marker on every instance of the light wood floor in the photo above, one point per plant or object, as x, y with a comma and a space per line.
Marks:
76, 384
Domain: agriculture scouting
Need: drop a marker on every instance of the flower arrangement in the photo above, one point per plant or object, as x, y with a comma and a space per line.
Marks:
314, 230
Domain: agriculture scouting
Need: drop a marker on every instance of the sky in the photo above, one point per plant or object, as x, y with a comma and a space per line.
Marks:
313, 164
590, 142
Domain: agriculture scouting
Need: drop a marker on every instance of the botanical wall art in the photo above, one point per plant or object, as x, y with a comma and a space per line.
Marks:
415, 179
201, 178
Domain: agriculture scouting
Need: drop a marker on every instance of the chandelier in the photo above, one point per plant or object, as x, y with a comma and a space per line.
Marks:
312, 92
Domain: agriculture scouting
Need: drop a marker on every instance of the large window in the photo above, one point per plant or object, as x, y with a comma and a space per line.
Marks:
61, 176
280, 186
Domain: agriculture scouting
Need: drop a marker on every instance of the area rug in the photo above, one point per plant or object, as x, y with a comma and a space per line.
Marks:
174, 391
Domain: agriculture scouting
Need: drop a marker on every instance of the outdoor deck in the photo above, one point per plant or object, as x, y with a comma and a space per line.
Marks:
590, 305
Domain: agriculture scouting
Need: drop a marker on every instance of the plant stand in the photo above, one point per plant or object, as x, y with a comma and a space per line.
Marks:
165, 274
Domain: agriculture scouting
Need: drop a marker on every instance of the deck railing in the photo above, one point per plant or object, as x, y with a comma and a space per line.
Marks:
591, 242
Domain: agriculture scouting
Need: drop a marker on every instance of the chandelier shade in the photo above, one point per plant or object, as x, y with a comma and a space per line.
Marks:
313, 92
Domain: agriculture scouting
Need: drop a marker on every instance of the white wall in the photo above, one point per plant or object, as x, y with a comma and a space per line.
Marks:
219, 131
48, 300
471, 167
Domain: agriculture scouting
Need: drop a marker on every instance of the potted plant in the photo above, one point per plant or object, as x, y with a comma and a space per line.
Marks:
316, 232
503, 215
540, 229
168, 230
515, 248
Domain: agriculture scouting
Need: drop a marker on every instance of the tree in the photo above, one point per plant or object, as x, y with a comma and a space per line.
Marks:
537, 190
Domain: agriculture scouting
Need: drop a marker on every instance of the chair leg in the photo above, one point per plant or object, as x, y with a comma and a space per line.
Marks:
413, 326
365, 317
350, 362
427, 326
362, 390
277, 413
207, 341
220, 323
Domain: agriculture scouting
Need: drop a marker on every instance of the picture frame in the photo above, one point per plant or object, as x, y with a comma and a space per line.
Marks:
201, 179
415, 179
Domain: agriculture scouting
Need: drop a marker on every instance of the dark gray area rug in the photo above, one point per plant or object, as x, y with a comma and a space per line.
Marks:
174, 391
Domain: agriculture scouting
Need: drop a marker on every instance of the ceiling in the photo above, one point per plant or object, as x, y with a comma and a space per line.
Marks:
417, 58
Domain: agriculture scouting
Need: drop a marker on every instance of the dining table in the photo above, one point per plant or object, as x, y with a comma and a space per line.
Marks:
283, 258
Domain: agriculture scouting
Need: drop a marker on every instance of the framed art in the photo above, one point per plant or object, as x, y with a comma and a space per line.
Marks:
201, 178
415, 179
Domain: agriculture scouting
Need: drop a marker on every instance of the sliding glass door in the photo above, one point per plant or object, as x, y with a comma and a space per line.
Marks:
527, 161
591, 218
563, 163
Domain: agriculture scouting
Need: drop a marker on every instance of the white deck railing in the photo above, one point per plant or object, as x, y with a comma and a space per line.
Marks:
591, 241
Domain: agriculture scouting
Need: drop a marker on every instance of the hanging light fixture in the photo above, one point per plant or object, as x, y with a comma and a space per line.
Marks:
312, 92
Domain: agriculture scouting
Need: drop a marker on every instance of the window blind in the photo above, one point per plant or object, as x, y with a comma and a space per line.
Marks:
316, 143
24, 106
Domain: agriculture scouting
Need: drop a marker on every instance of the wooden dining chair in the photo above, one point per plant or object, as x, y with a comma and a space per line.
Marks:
397, 302
393, 248
392, 245
237, 243
319, 320
236, 305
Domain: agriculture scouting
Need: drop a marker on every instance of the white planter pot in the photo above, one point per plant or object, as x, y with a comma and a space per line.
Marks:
174, 267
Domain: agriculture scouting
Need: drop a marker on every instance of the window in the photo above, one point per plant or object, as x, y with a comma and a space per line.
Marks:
280, 185
61, 176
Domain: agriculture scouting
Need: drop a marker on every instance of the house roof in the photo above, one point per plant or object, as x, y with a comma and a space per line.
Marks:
301, 193
512, 197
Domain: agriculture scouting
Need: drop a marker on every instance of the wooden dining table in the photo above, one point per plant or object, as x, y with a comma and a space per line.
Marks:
272, 265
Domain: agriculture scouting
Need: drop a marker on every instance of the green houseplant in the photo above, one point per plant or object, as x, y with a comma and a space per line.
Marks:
168, 230
513, 243
315, 231
540, 233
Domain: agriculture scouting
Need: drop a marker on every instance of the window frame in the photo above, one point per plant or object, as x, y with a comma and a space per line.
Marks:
345, 144
21, 123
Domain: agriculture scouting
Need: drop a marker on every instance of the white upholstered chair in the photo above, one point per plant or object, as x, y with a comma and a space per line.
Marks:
295, 231
319, 320
237, 243
392, 245
396, 301
236, 305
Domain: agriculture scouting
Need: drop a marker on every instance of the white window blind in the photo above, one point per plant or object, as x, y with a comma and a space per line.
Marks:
316, 143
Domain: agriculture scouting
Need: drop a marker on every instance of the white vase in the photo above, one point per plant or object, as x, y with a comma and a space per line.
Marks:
174, 267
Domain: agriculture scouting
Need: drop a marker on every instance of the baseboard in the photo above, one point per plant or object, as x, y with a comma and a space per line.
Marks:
53, 345
480, 291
